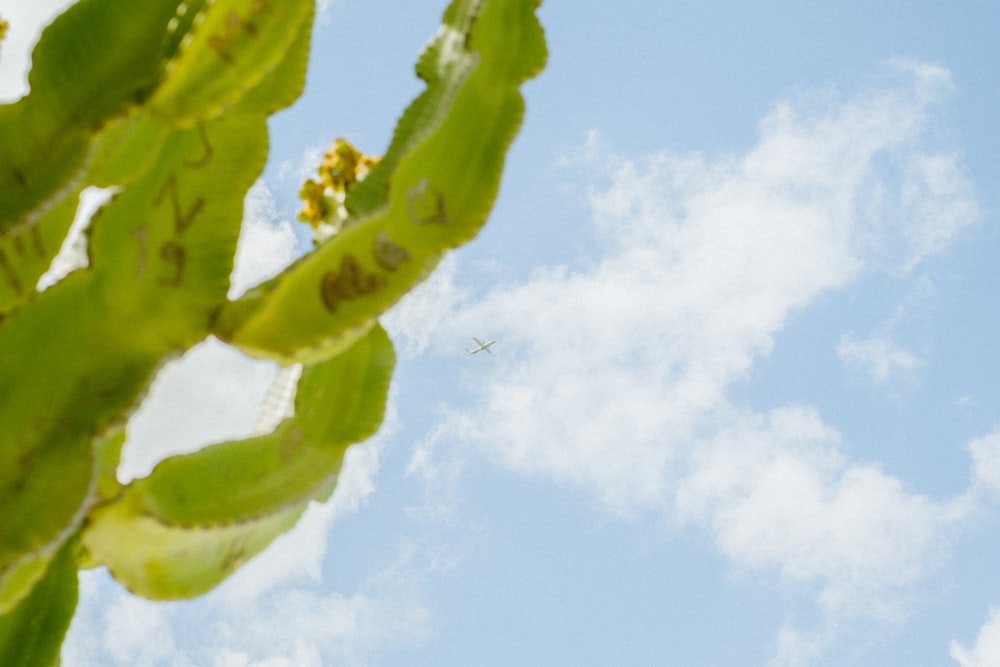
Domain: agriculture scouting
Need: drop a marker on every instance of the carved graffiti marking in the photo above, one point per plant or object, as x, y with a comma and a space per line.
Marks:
172, 251
234, 23
348, 282
425, 204
207, 153
387, 254
175, 254
182, 219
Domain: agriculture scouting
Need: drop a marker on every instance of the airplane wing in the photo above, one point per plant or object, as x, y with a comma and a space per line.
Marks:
482, 346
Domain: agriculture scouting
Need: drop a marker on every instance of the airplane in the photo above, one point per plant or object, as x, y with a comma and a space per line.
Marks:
482, 346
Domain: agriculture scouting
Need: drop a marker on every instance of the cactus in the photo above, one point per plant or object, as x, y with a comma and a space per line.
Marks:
164, 104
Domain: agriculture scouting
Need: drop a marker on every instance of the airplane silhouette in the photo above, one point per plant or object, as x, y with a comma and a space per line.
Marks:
482, 346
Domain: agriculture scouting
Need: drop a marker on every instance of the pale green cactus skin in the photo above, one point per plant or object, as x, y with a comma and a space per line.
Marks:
165, 101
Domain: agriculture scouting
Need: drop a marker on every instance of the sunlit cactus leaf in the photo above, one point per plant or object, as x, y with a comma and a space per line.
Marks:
26, 251
438, 197
285, 81
164, 103
231, 47
443, 75
171, 266
159, 535
21, 580
92, 63
31, 634
97, 336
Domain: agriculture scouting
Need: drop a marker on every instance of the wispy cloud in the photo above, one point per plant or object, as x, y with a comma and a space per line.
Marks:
267, 241
323, 9
705, 261
386, 613
878, 355
779, 493
615, 377
986, 651
985, 453
937, 199
296, 623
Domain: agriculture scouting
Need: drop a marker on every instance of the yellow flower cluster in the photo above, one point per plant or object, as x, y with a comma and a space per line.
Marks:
323, 200
3, 28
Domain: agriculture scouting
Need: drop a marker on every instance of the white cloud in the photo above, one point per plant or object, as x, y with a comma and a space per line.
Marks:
615, 377
297, 623
323, 9
879, 355
795, 649
388, 612
985, 453
212, 393
137, 632
937, 199
986, 652
305, 167
779, 493
705, 260
267, 243
72, 254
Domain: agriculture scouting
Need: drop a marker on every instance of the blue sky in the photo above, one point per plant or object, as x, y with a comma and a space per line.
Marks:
742, 409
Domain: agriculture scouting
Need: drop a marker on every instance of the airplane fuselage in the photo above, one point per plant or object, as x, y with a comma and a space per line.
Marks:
483, 347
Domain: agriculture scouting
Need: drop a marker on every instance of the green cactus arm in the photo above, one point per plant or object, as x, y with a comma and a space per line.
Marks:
229, 50
154, 282
166, 104
26, 252
287, 79
183, 61
21, 580
91, 64
438, 196
162, 247
31, 634
197, 517
165, 562
443, 77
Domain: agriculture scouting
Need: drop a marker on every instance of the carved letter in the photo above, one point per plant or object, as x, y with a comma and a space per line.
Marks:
349, 282
425, 204
207, 155
175, 254
182, 220
387, 254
